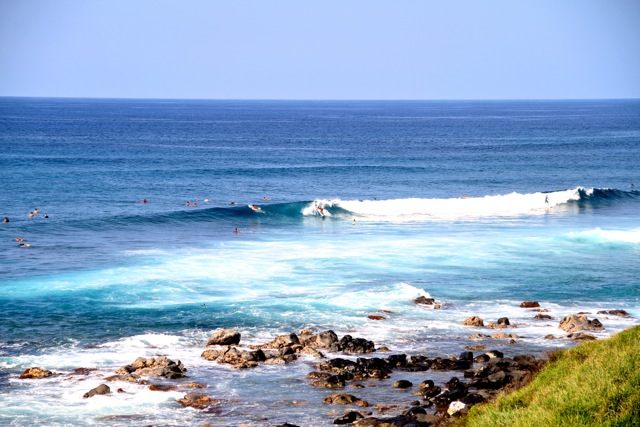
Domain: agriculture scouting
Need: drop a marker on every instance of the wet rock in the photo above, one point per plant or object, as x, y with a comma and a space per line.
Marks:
238, 358
130, 378
473, 321
542, 317
424, 300
162, 387
154, 367
348, 418
345, 399
580, 322
403, 384
198, 401
224, 337
375, 317
620, 313
35, 373
326, 339
280, 342
101, 389
356, 345
530, 304
503, 336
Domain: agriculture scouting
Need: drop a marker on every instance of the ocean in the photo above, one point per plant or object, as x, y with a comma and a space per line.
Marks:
480, 205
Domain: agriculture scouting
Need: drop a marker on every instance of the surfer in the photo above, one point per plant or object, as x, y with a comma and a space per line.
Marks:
255, 208
546, 199
320, 210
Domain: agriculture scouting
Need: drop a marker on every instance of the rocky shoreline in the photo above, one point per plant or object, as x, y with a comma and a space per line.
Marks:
475, 377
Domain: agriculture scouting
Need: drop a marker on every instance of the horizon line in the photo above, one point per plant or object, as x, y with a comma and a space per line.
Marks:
315, 99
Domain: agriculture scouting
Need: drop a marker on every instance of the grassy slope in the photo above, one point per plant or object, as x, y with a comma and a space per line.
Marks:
594, 384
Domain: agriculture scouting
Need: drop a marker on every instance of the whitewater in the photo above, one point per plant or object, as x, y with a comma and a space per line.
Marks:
479, 205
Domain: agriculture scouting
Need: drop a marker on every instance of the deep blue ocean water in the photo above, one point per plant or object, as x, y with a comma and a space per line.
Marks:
443, 199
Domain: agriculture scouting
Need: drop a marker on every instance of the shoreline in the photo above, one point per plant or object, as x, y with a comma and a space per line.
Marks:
356, 367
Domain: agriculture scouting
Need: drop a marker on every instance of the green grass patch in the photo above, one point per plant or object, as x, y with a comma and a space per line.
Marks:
594, 384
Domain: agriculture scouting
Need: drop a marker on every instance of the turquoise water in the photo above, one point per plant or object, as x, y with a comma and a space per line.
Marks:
441, 199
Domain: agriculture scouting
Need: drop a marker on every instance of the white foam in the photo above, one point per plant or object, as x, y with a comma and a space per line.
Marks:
514, 204
606, 236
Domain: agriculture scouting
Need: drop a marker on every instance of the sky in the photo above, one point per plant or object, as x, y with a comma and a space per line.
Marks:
305, 49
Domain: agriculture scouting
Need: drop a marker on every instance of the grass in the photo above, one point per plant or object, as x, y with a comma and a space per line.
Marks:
594, 384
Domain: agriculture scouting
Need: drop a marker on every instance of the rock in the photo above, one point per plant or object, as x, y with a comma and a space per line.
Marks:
375, 317
101, 389
580, 322
162, 387
240, 359
345, 399
549, 337
198, 401
424, 300
542, 317
476, 347
35, 373
154, 367
478, 336
348, 418
495, 354
403, 384
326, 339
529, 304
130, 378
503, 336
473, 321
356, 345
280, 342
503, 321
457, 408
224, 337
620, 313
581, 336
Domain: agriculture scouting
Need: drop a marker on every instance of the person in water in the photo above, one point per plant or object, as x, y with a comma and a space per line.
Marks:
320, 210
236, 230
5, 219
546, 199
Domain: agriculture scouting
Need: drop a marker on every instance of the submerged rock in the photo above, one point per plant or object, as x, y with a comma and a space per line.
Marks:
530, 304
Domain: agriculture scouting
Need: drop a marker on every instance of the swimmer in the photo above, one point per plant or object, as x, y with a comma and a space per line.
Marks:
188, 204
35, 211
144, 201
24, 245
46, 216
31, 214
266, 198
234, 203
5, 219
236, 231
18, 239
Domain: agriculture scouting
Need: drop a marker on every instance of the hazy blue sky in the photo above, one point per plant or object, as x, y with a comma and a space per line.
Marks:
234, 49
